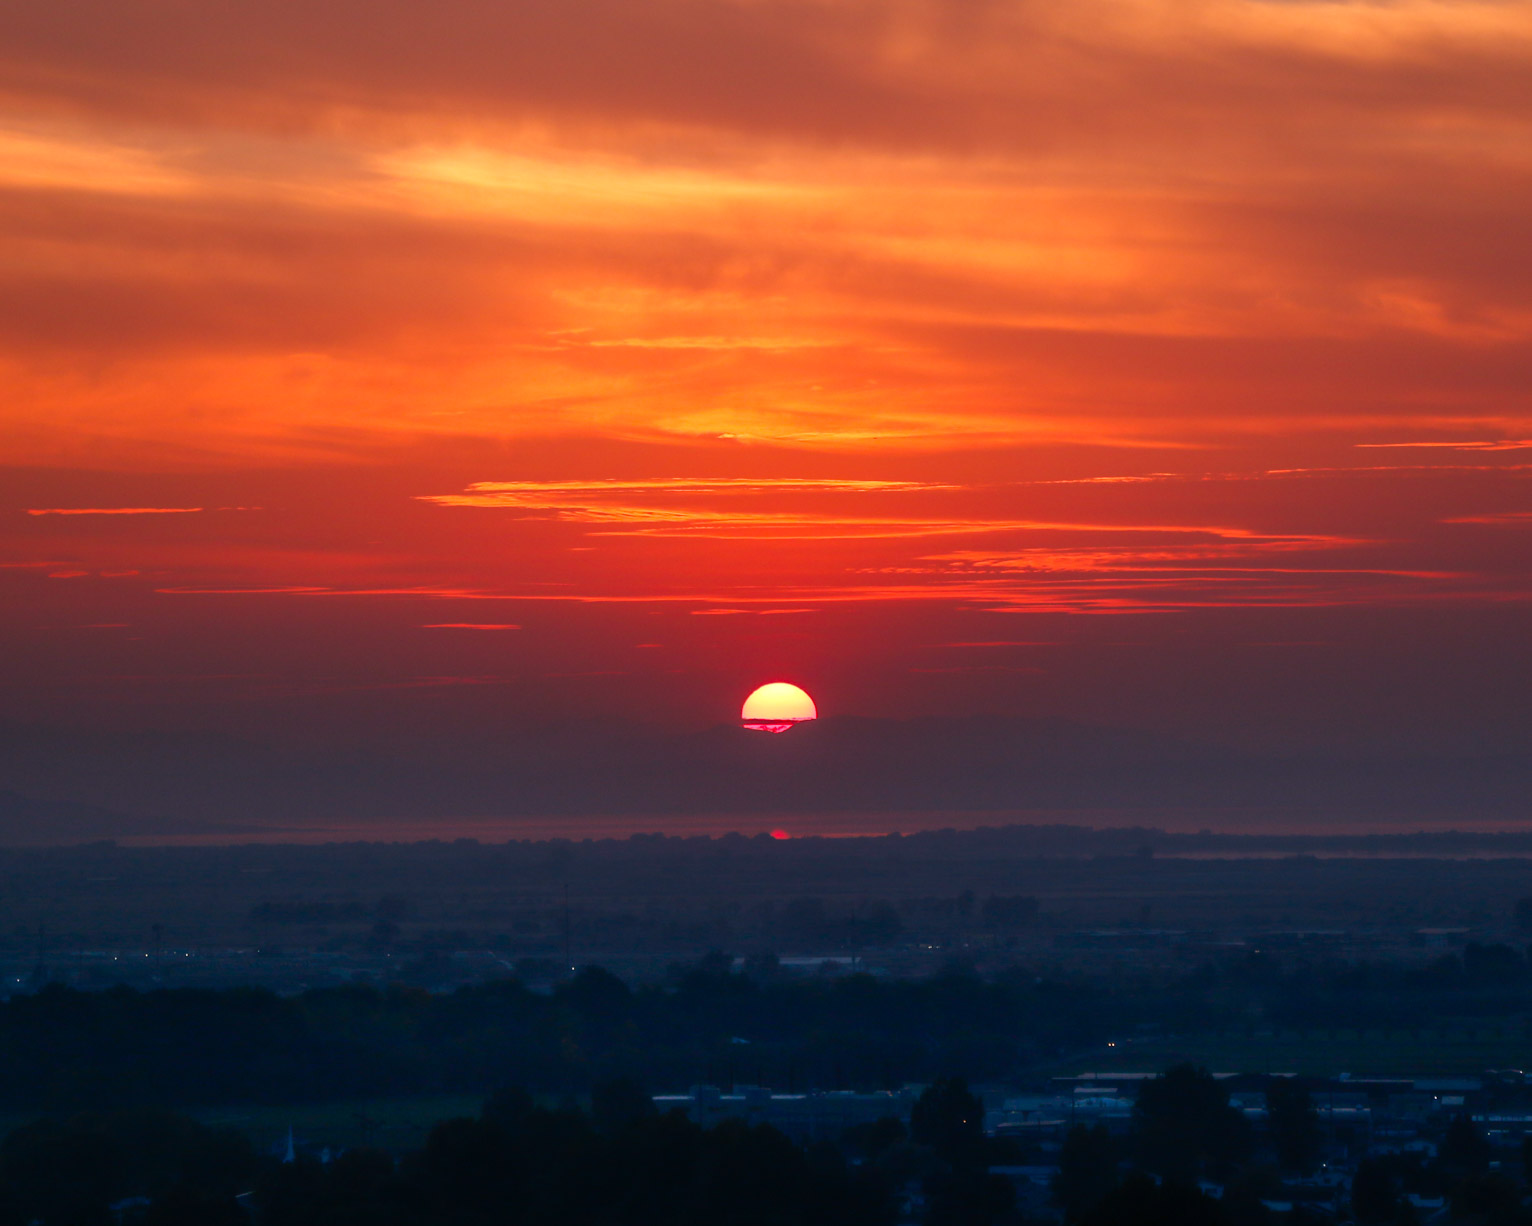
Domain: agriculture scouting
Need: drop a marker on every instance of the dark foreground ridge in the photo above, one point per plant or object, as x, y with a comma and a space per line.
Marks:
709, 1023
1185, 1148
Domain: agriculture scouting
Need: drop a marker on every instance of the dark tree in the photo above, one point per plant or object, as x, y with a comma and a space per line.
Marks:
1493, 1199
598, 994
1464, 1150
762, 967
295, 1194
1293, 1123
70, 1171
1183, 1123
365, 1179
951, 1121
1139, 1201
1244, 1197
872, 1140
1375, 1198
467, 1169
618, 1104
62, 1172
969, 1198
1087, 1170
509, 1108
186, 1206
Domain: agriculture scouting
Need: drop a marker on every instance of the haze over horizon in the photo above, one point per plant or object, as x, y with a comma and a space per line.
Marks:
766, 612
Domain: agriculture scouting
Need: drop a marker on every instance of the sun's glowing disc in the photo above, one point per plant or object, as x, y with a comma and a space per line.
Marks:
776, 707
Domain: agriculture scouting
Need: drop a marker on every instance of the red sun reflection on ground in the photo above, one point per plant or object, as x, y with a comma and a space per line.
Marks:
776, 707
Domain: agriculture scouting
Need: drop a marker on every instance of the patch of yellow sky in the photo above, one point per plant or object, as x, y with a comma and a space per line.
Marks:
465, 380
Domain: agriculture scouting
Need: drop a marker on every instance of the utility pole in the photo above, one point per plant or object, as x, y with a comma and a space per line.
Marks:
568, 958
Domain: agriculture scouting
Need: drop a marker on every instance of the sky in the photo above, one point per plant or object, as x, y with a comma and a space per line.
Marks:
369, 369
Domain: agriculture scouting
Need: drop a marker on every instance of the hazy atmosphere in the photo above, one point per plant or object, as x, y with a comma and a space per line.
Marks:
766, 613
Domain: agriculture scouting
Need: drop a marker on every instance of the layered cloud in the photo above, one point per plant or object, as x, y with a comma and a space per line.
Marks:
643, 320
842, 225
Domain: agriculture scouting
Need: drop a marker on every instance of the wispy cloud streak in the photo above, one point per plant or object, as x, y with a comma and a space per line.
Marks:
114, 510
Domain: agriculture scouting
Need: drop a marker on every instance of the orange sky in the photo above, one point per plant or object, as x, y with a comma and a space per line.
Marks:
1140, 363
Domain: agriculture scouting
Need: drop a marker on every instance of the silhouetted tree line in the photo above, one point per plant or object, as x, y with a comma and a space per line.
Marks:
616, 1162
1483, 981
1192, 1159
66, 1049
1463, 1171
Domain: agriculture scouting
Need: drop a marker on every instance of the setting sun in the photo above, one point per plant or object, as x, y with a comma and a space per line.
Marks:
776, 707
